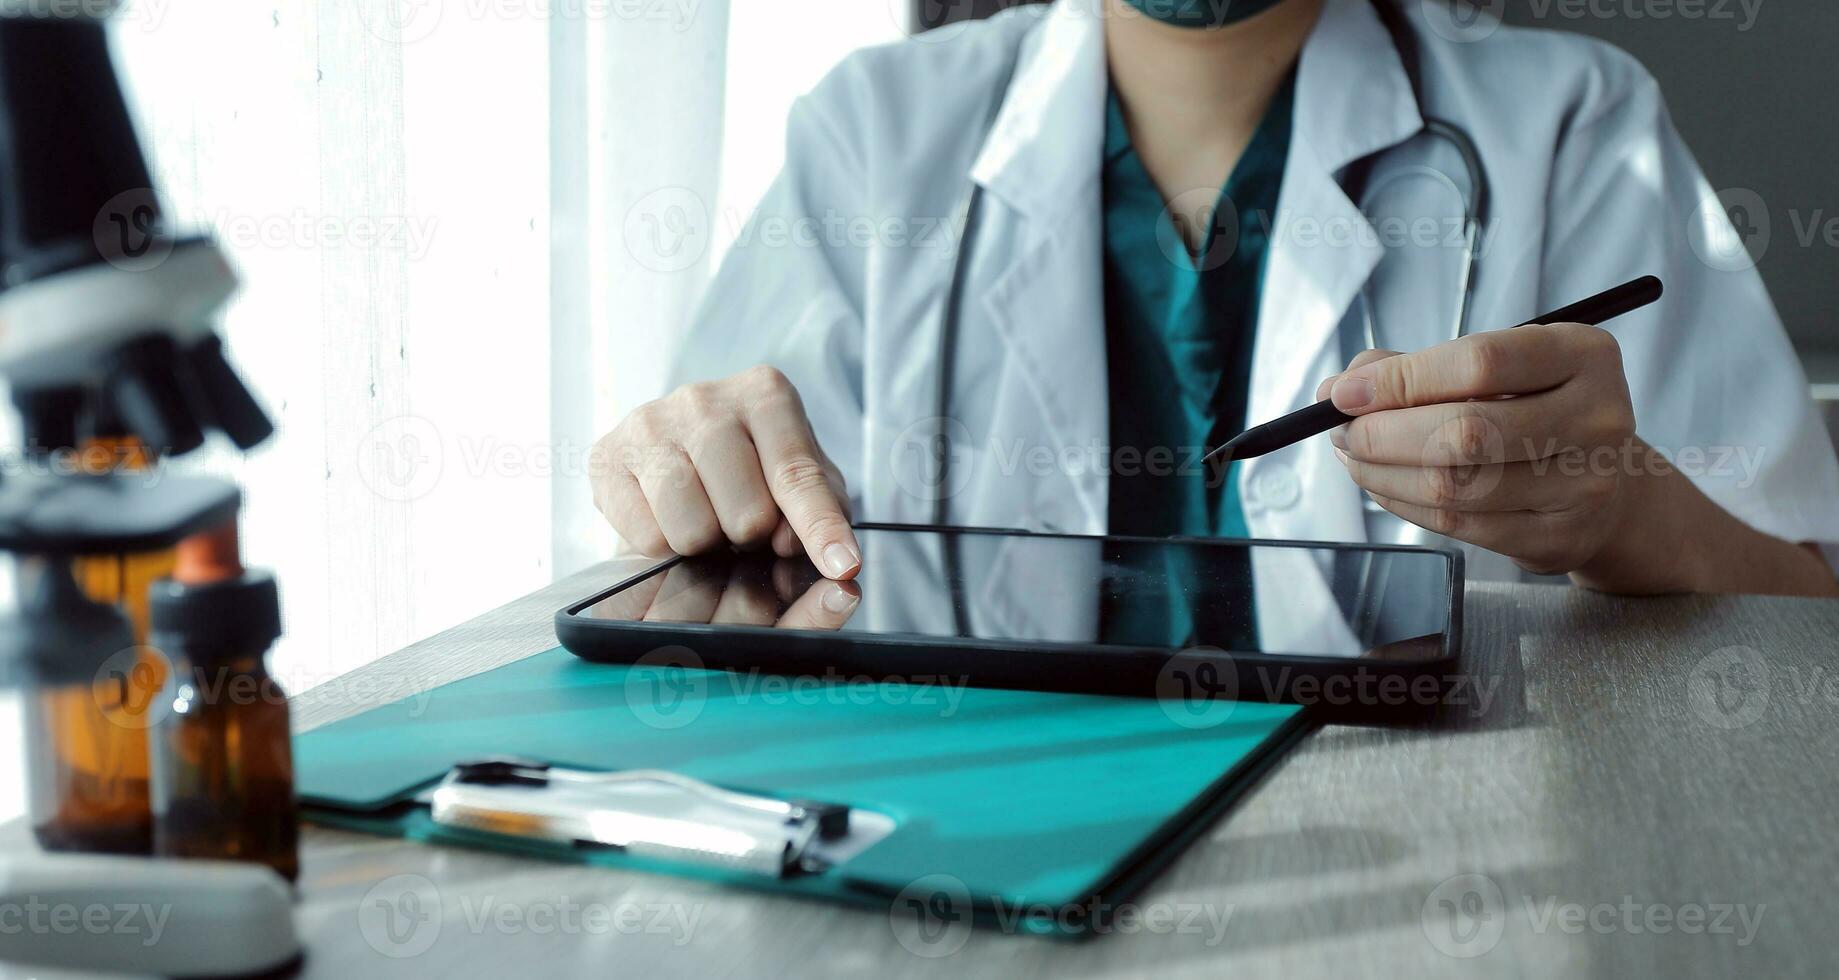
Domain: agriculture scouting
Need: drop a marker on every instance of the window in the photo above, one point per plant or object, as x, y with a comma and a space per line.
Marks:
428, 201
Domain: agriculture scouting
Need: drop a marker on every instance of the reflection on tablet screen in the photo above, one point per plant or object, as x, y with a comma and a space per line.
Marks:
1161, 594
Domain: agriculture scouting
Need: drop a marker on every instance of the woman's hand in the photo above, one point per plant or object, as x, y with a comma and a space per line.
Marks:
1519, 441
1523, 442
792, 597
729, 462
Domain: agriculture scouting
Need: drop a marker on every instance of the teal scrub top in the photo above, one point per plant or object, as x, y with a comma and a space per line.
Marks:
1179, 330
1178, 334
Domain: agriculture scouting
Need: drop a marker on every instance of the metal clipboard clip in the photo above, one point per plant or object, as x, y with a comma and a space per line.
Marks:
653, 813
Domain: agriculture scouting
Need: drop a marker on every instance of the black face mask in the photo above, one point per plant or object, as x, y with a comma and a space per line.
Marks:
1201, 13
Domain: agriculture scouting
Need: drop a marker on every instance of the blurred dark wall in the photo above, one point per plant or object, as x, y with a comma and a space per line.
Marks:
1752, 93
1751, 87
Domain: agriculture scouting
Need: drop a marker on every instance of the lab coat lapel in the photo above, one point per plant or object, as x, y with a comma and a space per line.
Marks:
1048, 310
1040, 168
1352, 100
1309, 286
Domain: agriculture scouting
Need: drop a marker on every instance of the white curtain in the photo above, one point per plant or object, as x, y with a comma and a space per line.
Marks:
638, 153
471, 232
437, 384
669, 131
382, 184
455, 221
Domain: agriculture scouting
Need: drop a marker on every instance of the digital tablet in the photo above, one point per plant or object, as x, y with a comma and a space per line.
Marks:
1367, 625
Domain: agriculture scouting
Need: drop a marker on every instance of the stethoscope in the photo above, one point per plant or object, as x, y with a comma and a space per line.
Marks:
1357, 184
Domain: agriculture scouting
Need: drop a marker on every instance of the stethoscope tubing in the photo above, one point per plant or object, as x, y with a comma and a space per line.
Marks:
1475, 206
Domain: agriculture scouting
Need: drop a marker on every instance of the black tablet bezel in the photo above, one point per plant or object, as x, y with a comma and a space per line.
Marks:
1043, 666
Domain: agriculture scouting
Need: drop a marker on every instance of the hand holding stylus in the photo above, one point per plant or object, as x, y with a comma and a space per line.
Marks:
1520, 441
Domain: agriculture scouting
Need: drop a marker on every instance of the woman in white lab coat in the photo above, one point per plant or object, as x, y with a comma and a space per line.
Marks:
810, 380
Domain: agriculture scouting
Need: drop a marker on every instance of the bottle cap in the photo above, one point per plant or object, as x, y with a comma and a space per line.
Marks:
233, 616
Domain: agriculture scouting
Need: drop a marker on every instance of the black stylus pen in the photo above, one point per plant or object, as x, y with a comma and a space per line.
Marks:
1323, 415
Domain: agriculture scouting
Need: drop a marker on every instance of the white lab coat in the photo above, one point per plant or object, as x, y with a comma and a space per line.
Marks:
1591, 186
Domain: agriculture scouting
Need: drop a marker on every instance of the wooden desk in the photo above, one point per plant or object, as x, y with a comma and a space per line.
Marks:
1626, 793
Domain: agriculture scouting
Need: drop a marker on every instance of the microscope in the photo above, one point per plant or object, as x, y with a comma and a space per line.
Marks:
104, 308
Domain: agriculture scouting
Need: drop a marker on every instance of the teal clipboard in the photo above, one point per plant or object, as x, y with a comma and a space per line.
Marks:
1030, 801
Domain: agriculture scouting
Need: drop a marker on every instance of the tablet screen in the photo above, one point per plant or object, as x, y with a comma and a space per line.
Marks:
1274, 599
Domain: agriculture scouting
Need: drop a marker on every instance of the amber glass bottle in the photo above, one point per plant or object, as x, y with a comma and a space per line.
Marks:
223, 774
86, 751
101, 727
